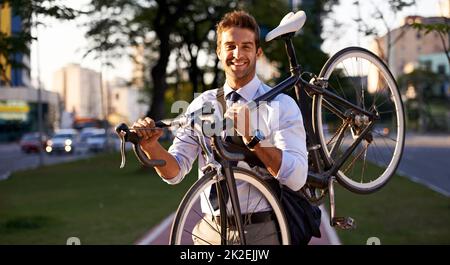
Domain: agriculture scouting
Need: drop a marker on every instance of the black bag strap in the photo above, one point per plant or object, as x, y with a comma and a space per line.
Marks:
221, 99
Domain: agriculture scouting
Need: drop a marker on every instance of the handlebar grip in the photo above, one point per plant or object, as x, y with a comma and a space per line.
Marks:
135, 139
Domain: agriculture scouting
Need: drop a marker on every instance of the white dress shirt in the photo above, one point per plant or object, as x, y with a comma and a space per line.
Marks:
281, 122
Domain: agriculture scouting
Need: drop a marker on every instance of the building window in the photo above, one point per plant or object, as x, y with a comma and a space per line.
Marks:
418, 35
117, 96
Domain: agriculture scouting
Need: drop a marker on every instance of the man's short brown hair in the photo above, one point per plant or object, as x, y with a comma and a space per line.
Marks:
240, 19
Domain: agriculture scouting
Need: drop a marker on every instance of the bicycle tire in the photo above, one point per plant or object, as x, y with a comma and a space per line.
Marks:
378, 73
182, 227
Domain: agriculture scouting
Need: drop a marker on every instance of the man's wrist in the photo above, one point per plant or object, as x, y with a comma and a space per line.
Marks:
252, 142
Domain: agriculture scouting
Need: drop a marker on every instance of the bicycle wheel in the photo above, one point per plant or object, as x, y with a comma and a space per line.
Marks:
361, 78
196, 207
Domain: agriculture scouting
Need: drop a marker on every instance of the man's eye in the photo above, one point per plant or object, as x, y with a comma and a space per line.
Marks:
230, 47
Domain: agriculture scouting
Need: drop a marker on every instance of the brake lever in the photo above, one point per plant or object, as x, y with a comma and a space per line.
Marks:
122, 148
126, 135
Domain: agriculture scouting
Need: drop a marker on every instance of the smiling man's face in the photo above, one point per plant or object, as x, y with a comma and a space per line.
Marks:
238, 54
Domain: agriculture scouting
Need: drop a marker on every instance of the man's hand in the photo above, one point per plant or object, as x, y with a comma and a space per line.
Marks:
240, 114
149, 136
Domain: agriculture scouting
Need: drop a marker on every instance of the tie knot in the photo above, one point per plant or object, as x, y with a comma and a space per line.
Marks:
234, 96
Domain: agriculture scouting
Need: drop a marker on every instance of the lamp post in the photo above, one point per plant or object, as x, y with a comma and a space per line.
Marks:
39, 96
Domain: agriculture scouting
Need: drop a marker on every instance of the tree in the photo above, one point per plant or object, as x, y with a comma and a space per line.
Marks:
442, 29
120, 23
18, 42
186, 28
364, 26
421, 82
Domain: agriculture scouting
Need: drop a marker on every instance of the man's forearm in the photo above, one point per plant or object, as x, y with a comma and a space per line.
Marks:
171, 168
270, 156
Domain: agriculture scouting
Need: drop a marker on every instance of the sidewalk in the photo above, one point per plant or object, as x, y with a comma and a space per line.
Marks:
159, 235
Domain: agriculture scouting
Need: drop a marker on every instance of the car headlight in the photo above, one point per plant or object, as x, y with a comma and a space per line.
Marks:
68, 142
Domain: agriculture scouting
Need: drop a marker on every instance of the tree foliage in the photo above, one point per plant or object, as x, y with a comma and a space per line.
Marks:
29, 11
185, 30
442, 29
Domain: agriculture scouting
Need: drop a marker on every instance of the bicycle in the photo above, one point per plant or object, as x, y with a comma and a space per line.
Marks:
340, 109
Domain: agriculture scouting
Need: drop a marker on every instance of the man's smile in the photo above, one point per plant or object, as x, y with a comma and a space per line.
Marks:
238, 64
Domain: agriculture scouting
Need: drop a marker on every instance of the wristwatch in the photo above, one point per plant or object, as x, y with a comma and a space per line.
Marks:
258, 137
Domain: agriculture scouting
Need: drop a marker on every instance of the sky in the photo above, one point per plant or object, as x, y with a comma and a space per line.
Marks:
60, 43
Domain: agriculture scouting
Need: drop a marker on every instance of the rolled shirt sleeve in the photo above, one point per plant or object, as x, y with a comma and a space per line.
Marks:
184, 148
288, 135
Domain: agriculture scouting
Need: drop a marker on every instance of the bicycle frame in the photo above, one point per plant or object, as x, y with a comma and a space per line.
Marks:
304, 91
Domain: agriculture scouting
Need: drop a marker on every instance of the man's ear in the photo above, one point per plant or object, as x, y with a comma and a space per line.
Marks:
218, 51
259, 52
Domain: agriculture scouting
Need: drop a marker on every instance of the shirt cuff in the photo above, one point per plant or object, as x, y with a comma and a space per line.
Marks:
178, 178
292, 172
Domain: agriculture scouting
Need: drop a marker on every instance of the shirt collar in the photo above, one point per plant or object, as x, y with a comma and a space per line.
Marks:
248, 91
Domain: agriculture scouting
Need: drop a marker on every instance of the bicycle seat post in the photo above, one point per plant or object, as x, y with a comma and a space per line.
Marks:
294, 67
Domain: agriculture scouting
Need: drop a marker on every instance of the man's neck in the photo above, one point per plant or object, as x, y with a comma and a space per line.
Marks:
236, 84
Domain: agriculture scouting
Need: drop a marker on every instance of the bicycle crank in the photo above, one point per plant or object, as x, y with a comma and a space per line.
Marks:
340, 222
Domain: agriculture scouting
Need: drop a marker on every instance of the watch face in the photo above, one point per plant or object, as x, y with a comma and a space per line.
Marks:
259, 135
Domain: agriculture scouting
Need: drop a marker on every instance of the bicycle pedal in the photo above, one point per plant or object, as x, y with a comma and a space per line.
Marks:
344, 222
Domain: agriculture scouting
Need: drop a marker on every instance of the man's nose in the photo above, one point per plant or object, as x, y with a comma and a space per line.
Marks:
237, 52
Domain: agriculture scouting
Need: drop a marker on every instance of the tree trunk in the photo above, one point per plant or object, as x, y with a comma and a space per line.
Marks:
194, 74
158, 73
215, 82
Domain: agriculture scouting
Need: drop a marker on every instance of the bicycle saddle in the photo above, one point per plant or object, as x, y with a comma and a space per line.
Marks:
290, 23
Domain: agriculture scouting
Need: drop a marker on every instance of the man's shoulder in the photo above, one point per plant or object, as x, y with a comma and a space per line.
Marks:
200, 99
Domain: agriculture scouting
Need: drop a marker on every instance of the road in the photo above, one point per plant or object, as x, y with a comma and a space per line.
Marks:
13, 159
425, 160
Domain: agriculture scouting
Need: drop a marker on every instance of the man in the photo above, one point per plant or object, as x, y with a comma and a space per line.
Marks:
283, 151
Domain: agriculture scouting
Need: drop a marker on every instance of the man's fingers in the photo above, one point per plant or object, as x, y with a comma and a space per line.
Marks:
150, 122
138, 132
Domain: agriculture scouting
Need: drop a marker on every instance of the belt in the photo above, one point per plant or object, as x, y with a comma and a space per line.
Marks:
248, 219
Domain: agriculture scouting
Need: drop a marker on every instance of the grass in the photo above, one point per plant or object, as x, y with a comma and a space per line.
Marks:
90, 199
99, 203
402, 212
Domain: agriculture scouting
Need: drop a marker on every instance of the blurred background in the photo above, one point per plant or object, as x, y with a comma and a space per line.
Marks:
72, 70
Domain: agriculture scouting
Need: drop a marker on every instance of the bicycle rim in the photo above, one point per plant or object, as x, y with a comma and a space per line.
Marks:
190, 212
360, 77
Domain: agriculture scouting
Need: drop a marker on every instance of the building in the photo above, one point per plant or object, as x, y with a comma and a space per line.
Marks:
19, 101
409, 44
13, 76
124, 103
80, 90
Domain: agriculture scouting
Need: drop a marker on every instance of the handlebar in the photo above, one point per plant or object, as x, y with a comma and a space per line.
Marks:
129, 135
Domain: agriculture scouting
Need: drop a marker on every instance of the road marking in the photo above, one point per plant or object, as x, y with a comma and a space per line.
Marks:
423, 182
418, 180
157, 231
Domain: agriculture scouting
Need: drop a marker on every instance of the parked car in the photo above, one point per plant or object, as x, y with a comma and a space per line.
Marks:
97, 142
63, 141
85, 133
30, 142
